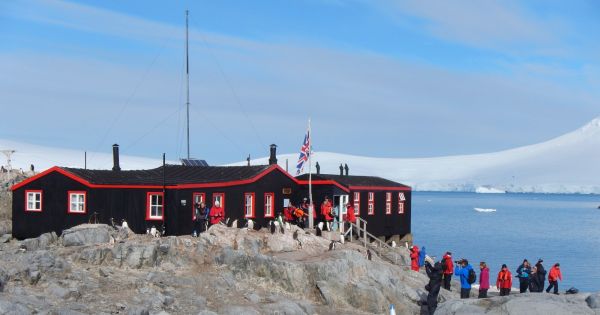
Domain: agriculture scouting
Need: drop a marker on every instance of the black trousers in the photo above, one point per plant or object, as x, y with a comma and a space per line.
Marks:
504, 291
432, 298
447, 278
464, 293
482, 293
523, 284
553, 284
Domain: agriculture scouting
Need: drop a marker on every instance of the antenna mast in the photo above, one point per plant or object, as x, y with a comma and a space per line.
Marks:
187, 72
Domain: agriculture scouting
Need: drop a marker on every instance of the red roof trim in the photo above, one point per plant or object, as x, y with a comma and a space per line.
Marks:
380, 188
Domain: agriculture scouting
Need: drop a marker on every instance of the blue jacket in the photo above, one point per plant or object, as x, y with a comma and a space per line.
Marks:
464, 276
422, 254
523, 272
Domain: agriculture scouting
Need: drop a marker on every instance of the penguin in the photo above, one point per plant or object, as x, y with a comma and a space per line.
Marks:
242, 223
369, 256
318, 231
272, 227
250, 224
257, 226
227, 222
234, 224
332, 245
393, 244
288, 226
124, 224
281, 229
153, 231
320, 225
112, 223
295, 236
299, 244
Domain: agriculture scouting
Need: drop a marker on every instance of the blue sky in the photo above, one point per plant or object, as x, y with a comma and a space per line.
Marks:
378, 78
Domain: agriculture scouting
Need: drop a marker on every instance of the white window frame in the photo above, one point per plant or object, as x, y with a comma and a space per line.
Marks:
249, 205
77, 205
356, 203
155, 206
36, 203
401, 199
388, 203
269, 204
371, 203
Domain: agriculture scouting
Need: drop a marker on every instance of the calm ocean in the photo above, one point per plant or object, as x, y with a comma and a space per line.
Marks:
557, 228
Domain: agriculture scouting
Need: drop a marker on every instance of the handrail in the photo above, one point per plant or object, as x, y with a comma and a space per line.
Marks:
361, 225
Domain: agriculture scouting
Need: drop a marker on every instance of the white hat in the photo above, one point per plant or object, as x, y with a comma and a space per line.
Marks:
217, 203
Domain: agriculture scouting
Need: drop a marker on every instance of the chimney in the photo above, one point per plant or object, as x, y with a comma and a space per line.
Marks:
318, 167
273, 157
116, 166
346, 168
341, 170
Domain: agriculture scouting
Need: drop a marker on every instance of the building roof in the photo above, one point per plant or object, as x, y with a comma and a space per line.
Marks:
173, 175
354, 181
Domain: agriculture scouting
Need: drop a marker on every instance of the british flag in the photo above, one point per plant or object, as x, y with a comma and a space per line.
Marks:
304, 153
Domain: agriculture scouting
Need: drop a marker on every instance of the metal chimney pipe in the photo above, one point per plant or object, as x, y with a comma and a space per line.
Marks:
273, 157
116, 166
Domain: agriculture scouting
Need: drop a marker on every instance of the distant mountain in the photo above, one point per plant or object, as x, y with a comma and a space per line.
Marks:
566, 164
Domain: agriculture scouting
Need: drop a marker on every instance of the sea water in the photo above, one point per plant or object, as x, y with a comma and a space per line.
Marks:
556, 228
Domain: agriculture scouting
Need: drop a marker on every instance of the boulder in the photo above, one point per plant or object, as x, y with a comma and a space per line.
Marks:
138, 310
41, 242
283, 307
5, 227
86, 234
593, 301
5, 238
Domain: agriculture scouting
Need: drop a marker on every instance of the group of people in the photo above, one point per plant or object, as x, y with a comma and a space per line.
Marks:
205, 216
531, 278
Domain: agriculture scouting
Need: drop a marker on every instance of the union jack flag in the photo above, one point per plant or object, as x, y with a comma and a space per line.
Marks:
304, 153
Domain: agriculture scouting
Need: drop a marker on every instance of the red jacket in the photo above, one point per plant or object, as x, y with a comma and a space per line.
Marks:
288, 214
449, 265
326, 211
414, 258
350, 216
216, 214
554, 274
484, 278
504, 280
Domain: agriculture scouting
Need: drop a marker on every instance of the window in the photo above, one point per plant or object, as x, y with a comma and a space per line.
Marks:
76, 202
269, 204
249, 205
356, 203
33, 200
155, 206
388, 203
401, 200
371, 204
220, 197
196, 199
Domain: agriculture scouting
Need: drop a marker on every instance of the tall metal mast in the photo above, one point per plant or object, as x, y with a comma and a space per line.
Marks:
187, 72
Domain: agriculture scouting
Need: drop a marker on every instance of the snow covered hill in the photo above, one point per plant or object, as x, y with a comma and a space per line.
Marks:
566, 164
45, 157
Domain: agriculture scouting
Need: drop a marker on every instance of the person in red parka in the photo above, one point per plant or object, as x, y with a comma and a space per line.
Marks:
553, 276
414, 258
216, 213
350, 215
504, 281
326, 212
448, 267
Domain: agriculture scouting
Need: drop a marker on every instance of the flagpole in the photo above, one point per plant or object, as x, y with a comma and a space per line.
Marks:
310, 207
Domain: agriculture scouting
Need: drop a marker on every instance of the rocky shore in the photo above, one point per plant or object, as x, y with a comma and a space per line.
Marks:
96, 269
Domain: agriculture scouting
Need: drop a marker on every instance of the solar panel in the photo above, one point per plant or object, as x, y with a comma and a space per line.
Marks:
193, 162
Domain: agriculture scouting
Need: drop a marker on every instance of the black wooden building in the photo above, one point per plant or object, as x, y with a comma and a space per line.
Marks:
61, 197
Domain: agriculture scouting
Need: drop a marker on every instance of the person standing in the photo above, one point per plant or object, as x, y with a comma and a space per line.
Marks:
553, 276
523, 273
435, 274
216, 213
541, 274
200, 217
422, 255
504, 281
326, 209
414, 258
484, 280
463, 270
534, 281
448, 267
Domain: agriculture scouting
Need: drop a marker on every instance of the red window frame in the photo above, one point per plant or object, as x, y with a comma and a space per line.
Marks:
401, 199
252, 206
388, 203
149, 204
214, 198
27, 200
357, 203
371, 204
272, 204
202, 197
76, 192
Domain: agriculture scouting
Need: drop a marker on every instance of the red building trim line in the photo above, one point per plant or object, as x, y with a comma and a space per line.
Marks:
41, 200
379, 188
148, 194
252, 206
78, 192
324, 182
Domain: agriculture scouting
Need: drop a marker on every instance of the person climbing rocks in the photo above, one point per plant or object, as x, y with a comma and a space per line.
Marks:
435, 274
448, 267
414, 258
523, 273
541, 274
504, 281
216, 213
464, 271
553, 276
326, 210
484, 280
422, 255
